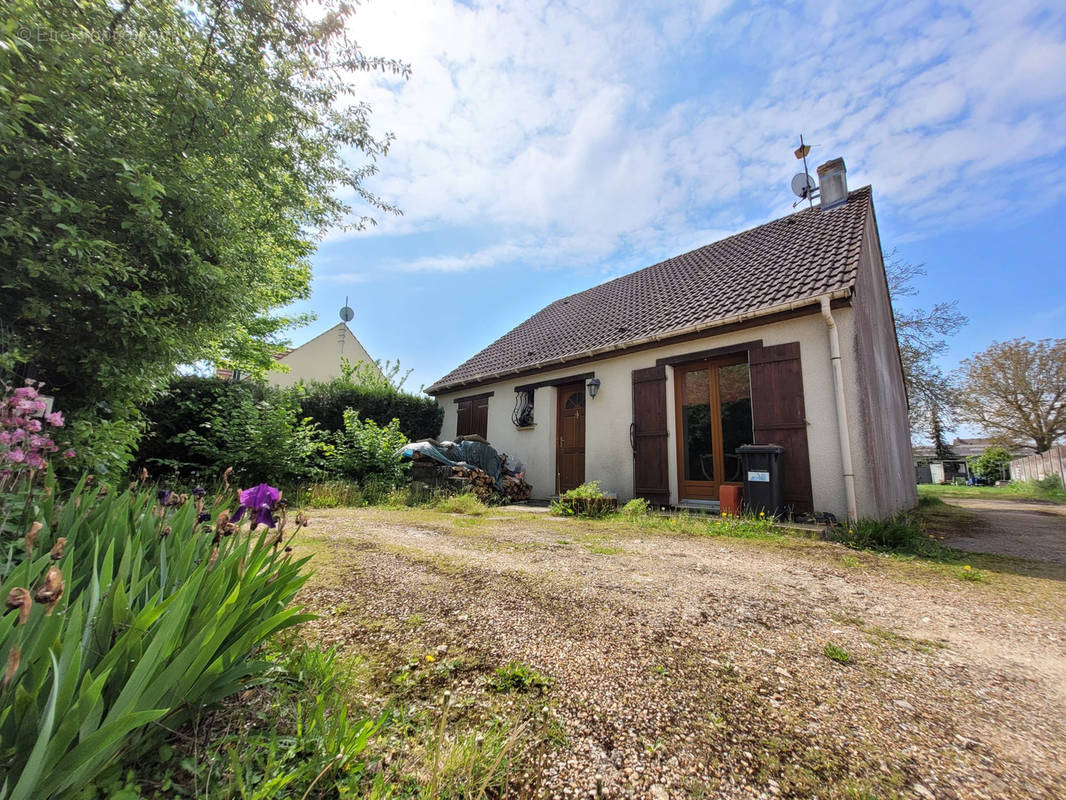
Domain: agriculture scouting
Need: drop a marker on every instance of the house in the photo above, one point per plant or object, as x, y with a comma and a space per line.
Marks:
320, 359
930, 469
782, 334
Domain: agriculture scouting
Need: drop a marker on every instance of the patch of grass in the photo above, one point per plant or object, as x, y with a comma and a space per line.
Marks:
517, 677
1049, 490
968, 573
850, 561
902, 534
462, 503
605, 549
836, 653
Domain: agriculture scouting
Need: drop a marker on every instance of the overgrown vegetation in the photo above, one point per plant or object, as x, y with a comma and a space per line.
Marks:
204, 425
462, 503
586, 500
125, 611
165, 170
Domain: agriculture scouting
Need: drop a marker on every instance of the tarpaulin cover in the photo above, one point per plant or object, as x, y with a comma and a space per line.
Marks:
458, 454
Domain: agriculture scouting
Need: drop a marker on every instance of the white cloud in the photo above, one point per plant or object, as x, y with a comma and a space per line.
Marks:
582, 130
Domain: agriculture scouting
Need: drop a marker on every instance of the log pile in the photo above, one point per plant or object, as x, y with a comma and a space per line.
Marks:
515, 489
430, 475
474, 480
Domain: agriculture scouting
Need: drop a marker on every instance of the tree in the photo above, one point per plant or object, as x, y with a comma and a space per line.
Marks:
991, 464
922, 335
166, 167
1016, 391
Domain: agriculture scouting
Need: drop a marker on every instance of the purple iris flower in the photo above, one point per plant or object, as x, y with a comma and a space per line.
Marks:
259, 502
163, 495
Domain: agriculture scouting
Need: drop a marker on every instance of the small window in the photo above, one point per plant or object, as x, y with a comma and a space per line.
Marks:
523, 408
575, 400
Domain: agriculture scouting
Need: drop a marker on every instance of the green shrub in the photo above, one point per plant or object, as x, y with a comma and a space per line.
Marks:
637, 507
203, 425
586, 500
152, 618
366, 449
992, 464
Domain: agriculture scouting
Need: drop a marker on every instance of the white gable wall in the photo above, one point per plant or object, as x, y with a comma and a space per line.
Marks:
608, 455
320, 358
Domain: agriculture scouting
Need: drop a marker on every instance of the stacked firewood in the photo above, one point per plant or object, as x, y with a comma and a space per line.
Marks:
515, 489
475, 480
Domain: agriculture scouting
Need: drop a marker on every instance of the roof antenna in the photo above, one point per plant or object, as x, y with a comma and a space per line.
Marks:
803, 185
347, 315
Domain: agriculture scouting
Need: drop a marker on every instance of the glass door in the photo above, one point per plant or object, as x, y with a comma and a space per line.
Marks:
713, 407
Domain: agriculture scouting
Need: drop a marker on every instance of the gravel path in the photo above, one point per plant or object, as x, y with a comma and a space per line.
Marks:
1019, 528
687, 666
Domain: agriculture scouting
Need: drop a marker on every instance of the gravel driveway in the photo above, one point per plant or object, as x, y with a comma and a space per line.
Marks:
1020, 528
690, 666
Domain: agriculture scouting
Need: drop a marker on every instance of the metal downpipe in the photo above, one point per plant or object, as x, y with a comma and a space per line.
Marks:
842, 413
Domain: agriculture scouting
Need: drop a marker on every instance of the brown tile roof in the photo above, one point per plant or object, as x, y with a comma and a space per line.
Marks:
801, 256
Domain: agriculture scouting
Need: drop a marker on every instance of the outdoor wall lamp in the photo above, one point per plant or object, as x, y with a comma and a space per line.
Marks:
593, 385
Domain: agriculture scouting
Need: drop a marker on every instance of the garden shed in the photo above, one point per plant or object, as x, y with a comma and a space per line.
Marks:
782, 334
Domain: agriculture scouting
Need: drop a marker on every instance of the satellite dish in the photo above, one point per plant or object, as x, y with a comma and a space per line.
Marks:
347, 314
803, 185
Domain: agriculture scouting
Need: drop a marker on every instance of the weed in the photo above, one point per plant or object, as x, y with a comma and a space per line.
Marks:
605, 550
968, 573
836, 653
637, 507
462, 503
850, 561
586, 500
517, 677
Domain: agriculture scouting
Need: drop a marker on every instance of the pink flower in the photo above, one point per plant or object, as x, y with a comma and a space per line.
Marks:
33, 425
69, 454
25, 393
55, 419
35, 460
17, 435
16, 456
5, 437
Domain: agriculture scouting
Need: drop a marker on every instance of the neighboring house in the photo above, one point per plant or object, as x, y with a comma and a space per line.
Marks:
320, 359
782, 334
930, 469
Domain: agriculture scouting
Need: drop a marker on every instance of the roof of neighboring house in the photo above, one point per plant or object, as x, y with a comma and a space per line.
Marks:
762, 270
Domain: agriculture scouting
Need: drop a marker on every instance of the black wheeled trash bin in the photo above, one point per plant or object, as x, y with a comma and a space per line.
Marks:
763, 488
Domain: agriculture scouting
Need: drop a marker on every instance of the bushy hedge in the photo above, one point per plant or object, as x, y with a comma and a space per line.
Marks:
325, 403
286, 436
121, 616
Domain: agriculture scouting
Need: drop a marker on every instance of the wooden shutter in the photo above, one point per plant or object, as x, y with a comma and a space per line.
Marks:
779, 417
648, 435
473, 417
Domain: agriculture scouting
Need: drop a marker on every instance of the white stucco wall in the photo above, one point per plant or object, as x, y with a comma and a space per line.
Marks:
320, 358
608, 456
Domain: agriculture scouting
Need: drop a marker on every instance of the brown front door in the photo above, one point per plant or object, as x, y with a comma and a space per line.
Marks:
570, 446
713, 412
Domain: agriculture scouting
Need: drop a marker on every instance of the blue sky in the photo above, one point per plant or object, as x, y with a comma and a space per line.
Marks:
543, 147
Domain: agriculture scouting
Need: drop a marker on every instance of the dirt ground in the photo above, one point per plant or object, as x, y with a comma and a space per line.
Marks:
1020, 528
695, 666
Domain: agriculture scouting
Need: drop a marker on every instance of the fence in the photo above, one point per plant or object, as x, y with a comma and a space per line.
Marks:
1033, 468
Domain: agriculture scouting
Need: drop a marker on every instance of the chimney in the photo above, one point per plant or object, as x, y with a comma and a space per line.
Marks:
832, 183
